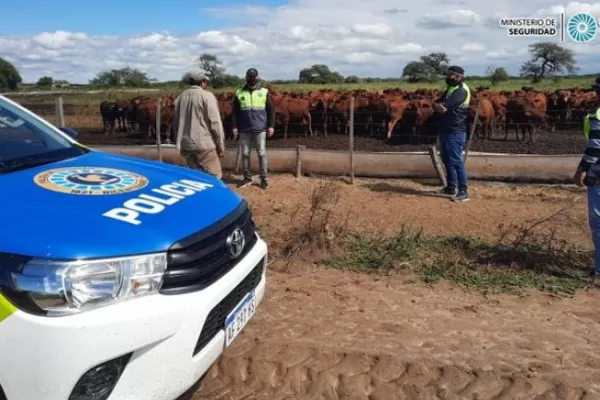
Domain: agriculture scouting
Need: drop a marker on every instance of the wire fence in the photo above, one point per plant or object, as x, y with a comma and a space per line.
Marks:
413, 128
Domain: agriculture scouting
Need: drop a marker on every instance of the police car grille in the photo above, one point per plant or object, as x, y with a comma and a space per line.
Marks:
198, 261
216, 318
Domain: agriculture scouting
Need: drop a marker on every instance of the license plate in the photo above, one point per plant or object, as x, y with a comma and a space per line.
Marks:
239, 317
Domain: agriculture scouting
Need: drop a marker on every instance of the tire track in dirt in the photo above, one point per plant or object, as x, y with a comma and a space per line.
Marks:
326, 334
280, 372
301, 345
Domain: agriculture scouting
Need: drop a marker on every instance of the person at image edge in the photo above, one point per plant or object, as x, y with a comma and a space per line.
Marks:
588, 174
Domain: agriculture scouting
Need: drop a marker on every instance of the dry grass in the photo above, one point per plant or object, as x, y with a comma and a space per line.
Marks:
316, 230
525, 254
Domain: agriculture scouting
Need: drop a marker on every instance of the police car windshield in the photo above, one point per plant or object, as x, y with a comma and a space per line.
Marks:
24, 140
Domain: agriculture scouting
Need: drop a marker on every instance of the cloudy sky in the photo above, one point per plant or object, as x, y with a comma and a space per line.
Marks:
76, 39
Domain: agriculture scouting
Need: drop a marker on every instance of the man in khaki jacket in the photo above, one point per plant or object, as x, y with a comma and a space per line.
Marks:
198, 126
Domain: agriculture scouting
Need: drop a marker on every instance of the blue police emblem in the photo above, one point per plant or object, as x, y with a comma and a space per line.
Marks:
90, 181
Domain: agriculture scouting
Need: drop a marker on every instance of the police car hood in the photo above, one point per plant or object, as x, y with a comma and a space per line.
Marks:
42, 217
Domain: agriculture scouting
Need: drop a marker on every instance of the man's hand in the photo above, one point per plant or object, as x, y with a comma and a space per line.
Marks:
234, 132
579, 178
439, 107
270, 132
221, 152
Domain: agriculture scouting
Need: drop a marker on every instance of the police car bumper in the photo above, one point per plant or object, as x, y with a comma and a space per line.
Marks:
145, 348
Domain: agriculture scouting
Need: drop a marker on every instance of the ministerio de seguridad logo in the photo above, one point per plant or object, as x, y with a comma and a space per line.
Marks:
90, 181
528, 26
579, 27
582, 27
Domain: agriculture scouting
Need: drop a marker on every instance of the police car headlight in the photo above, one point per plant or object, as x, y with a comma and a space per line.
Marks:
59, 288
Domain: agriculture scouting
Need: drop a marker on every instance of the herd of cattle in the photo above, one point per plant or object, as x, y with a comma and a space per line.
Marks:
392, 111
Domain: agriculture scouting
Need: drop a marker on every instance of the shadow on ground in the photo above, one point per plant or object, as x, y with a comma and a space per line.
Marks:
382, 187
230, 179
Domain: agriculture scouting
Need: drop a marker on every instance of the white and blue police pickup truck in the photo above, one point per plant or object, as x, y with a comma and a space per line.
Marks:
120, 278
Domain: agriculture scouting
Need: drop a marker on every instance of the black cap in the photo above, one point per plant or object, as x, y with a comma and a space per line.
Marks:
597, 84
252, 73
455, 69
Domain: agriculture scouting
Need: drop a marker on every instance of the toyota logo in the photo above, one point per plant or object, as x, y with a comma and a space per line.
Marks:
236, 242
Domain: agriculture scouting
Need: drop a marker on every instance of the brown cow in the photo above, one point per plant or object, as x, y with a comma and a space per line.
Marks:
392, 110
109, 111
289, 109
486, 120
146, 116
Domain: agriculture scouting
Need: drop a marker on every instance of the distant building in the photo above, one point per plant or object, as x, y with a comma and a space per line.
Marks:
60, 84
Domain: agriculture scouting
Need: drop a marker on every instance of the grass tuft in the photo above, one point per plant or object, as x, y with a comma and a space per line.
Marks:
469, 262
525, 255
317, 228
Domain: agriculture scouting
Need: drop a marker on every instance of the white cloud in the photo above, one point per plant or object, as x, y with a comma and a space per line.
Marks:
380, 30
472, 47
218, 41
360, 58
354, 37
153, 40
572, 8
60, 39
450, 19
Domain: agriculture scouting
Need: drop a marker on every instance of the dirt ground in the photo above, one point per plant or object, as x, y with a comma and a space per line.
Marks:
328, 334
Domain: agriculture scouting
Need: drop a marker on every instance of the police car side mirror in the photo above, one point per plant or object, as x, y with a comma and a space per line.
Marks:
70, 131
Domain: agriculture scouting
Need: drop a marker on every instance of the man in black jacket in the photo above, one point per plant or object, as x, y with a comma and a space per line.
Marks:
453, 108
254, 120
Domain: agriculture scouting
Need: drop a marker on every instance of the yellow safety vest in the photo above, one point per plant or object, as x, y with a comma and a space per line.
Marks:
252, 116
252, 100
451, 90
591, 122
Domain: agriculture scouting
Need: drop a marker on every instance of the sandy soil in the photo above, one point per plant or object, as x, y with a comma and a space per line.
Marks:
325, 334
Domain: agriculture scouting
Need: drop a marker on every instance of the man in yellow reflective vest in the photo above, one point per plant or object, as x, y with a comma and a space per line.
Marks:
588, 173
452, 108
253, 118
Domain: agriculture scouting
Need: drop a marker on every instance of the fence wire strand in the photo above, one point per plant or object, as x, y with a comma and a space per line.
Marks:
557, 131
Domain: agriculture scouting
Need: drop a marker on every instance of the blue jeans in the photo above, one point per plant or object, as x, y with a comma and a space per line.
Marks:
451, 149
594, 218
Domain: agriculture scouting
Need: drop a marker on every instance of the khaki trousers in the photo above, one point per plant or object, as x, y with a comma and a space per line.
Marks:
205, 160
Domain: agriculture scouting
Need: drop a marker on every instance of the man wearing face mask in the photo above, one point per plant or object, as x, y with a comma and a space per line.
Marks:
452, 109
253, 118
588, 173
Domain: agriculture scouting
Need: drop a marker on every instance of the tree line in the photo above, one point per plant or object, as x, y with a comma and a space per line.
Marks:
547, 59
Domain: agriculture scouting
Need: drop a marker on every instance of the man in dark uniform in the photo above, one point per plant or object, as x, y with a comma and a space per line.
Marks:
588, 174
453, 108
254, 120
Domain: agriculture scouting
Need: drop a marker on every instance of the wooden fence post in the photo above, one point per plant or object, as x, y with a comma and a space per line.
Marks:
158, 123
473, 127
351, 140
60, 112
238, 156
299, 149
437, 164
